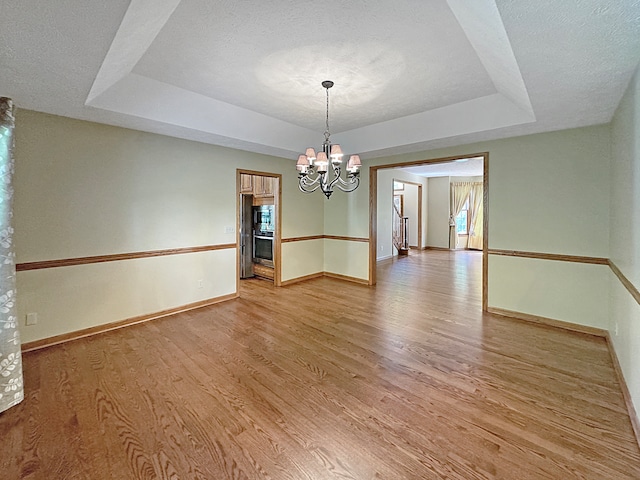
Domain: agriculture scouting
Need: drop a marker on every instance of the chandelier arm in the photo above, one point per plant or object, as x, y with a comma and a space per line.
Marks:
309, 181
354, 182
308, 190
308, 184
337, 178
346, 182
308, 187
349, 180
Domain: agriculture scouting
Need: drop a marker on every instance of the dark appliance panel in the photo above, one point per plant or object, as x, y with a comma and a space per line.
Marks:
263, 249
264, 219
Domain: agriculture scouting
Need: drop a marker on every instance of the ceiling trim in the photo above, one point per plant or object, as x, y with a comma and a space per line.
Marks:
119, 90
482, 24
141, 24
145, 97
480, 114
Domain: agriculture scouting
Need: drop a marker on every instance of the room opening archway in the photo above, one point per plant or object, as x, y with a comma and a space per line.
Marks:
373, 211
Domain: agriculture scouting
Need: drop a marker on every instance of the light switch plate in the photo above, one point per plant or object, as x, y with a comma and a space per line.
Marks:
32, 318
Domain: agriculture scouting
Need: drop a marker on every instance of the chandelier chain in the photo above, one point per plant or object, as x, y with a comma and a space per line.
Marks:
326, 132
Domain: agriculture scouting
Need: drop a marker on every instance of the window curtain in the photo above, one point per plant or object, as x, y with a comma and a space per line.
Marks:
476, 217
459, 194
11, 385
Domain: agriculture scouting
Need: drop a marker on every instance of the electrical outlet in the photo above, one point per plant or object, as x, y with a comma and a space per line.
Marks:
229, 229
616, 329
32, 319
382, 248
200, 284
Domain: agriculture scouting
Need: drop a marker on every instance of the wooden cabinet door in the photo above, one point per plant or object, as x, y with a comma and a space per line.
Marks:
267, 185
246, 183
258, 185
262, 186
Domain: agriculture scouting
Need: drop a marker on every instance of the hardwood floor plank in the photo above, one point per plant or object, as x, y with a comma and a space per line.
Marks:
327, 379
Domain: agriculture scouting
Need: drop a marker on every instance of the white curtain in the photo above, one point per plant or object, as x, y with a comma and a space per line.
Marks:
11, 385
459, 194
476, 216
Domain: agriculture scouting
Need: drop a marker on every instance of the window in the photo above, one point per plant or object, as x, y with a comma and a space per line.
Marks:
462, 220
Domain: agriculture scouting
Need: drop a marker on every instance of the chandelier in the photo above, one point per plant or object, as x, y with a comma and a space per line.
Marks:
314, 172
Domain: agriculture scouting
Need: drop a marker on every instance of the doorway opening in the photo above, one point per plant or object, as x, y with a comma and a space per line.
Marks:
258, 238
451, 212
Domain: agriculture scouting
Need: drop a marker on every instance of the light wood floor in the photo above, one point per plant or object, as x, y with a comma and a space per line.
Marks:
327, 380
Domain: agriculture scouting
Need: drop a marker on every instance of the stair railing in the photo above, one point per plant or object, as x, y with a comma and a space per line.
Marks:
400, 231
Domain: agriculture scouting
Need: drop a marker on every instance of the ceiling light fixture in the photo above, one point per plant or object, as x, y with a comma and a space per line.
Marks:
313, 169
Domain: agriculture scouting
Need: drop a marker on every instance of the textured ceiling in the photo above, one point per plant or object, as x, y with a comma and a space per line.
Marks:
386, 67
409, 74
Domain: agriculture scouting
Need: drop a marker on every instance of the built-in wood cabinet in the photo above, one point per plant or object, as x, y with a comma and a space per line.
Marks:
257, 185
262, 186
246, 183
269, 186
263, 271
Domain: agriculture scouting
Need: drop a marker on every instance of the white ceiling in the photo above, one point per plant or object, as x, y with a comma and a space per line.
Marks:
409, 74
